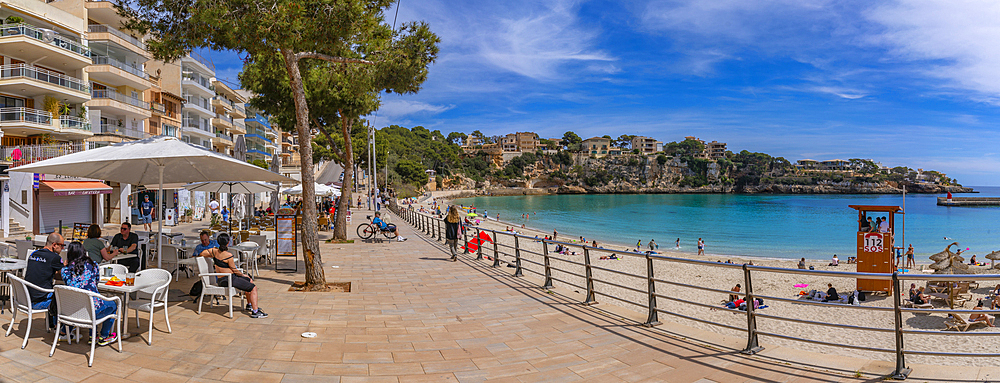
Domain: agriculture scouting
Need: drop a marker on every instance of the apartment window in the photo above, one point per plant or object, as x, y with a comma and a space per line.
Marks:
11, 102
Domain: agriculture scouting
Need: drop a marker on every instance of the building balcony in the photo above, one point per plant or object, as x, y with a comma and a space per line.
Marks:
195, 82
44, 47
31, 81
238, 126
222, 122
26, 154
196, 59
122, 131
109, 71
103, 11
158, 108
222, 140
96, 32
191, 127
75, 126
222, 102
26, 121
239, 111
198, 105
109, 99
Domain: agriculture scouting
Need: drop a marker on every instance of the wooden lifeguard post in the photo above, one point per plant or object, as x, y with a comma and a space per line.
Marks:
875, 248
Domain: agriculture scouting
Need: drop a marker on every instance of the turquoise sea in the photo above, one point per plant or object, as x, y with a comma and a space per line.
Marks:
777, 226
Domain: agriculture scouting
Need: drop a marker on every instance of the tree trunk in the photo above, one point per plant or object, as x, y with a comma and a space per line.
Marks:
310, 236
340, 228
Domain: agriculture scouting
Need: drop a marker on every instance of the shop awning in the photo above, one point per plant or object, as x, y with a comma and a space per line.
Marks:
63, 188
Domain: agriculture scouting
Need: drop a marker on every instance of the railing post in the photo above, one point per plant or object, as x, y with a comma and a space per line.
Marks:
479, 250
496, 251
752, 346
590, 278
548, 269
517, 258
901, 372
653, 319
440, 224
465, 238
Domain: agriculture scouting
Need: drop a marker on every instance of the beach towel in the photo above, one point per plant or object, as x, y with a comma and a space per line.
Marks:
801, 285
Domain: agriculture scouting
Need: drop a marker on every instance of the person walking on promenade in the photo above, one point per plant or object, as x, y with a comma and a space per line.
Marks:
451, 230
701, 247
909, 258
146, 210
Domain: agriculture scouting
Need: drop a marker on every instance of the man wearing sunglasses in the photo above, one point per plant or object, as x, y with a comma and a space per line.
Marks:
126, 242
43, 265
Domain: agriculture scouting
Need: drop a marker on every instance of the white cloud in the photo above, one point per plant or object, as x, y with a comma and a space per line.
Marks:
957, 40
398, 108
849, 94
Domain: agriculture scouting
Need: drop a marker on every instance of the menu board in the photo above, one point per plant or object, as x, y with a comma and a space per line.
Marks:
285, 231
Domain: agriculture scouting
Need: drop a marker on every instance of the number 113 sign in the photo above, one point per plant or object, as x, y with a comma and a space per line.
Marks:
873, 243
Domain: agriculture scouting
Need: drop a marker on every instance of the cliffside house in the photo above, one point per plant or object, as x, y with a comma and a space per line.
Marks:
596, 146
713, 150
646, 145
520, 142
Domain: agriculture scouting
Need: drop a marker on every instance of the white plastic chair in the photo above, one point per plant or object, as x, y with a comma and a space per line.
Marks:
210, 288
20, 300
171, 257
250, 256
155, 296
262, 250
120, 271
75, 307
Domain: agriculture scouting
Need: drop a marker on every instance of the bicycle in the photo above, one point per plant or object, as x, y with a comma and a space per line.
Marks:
368, 230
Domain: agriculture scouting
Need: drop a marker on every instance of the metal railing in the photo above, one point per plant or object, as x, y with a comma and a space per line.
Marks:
206, 62
198, 101
44, 75
157, 107
101, 28
239, 107
26, 154
105, 60
195, 123
71, 122
198, 79
34, 116
41, 35
112, 94
223, 137
123, 131
643, 293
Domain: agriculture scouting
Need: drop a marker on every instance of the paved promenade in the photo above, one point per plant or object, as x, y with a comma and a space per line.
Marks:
411, 317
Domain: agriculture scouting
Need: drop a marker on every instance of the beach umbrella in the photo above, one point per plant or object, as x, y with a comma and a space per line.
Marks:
240, 187
947, 262
995, 255
152, 161
321, 190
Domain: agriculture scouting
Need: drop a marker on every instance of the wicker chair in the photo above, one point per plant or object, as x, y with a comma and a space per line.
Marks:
117, 270
76, 308
20, 301
152, 297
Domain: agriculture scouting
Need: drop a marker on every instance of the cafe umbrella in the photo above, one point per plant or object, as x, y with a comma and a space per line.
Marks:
152, 161
239, 187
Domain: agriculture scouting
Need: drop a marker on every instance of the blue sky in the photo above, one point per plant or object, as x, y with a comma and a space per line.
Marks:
911, 83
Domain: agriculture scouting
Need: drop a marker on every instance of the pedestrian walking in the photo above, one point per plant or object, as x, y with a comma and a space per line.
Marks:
451, 230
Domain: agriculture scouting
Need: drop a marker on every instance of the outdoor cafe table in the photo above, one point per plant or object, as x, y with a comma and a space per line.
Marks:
125, 291
6, 265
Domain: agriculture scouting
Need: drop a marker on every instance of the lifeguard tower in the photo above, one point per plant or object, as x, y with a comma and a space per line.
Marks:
875, 247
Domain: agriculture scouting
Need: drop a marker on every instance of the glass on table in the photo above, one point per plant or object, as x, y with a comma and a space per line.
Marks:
130, 279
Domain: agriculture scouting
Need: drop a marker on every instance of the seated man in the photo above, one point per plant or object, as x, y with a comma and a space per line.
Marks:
831, 294
43, 265
386, 226
126, 242
206, 243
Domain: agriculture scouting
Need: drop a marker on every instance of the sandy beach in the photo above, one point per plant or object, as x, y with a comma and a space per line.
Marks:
764, 283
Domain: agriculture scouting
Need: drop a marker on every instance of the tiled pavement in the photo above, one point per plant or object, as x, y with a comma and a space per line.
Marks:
411, 317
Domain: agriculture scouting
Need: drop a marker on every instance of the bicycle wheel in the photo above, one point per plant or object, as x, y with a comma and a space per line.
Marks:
389, 234
365, 231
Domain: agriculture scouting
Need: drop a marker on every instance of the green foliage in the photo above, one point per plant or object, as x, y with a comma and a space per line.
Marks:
863, 166
598, 178
563, 158
661, 159
686, 148
412, 173
260, 163
698, 166
694, 181
457, 138
549, 144
528, 157
572, 141
624, 141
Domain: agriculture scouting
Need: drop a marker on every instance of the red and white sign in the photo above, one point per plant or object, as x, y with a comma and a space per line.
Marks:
874, 242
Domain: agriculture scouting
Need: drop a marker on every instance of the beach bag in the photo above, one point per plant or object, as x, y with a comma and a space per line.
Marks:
850, 299
195, 289
812, 268
861, 295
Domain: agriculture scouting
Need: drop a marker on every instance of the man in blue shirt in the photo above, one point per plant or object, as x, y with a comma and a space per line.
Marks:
386, 226
205, 244
146, 209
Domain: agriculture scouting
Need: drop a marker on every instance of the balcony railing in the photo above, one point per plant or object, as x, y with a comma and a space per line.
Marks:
224, 117
241, 109
203, 61
157, 107
39, 34
100, 28
44, 75
114, 95
198, 101
71, 122
33, 116
105, 60
195, 123
26, 154
198, 79
123, 131
223, 137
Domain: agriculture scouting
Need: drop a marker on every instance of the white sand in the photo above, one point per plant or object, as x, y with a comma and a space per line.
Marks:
764, 283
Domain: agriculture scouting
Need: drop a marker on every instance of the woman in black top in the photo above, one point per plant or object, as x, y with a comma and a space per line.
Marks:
223, 261
451, 229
